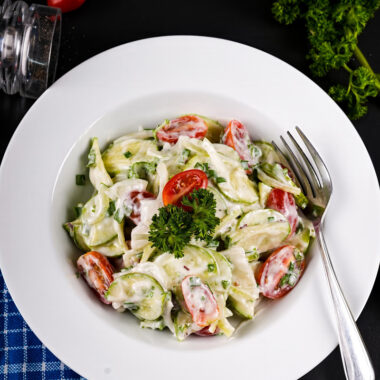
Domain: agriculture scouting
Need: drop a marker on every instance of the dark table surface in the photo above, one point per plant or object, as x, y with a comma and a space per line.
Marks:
100, 25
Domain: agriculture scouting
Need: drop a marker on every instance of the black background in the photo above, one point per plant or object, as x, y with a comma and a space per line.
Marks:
100, 25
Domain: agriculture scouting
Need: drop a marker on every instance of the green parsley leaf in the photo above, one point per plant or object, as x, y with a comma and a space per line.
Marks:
170, 230
203, 209
127, 154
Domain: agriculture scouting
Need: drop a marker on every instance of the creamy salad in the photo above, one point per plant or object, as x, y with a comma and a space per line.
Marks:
189, 224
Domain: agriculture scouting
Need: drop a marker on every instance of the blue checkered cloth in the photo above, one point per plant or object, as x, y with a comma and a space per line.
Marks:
22, 355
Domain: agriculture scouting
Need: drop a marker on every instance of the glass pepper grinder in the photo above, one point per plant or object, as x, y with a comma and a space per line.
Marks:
29, 45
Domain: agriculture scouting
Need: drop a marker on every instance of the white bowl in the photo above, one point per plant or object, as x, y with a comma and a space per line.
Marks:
142, 83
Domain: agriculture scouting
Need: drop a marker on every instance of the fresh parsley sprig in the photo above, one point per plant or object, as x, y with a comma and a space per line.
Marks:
173, 227
332, 29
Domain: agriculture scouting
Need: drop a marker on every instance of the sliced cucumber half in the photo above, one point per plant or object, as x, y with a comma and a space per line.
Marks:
263, 237
140, 293
256, 217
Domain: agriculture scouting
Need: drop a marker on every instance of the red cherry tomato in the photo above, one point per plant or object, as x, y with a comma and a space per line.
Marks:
236, 136
281, 272
206, 332
183, 184
97, 271
133, 200
284, 203
65, 5
199, 301
189, 125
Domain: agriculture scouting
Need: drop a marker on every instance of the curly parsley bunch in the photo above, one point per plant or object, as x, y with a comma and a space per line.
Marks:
333, 28
173, 227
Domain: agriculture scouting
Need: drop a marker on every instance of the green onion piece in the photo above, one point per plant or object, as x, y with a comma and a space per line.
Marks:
211, 267
111, 208
119, 215
80, 179
225, 284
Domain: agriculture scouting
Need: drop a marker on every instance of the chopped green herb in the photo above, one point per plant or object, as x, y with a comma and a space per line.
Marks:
271, 219
119, 215
78, 211
111, 208
142, 169
220, 180
195, 281
131, 306
252, 255
91, 158
244, 164
299, 227
80, 179
211, 267
291, 266
185, 156
127, 154
225, 284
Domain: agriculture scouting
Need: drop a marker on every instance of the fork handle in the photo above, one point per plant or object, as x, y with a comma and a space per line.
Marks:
356, 361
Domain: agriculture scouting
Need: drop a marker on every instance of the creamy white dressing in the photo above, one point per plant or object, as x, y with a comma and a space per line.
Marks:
244, 224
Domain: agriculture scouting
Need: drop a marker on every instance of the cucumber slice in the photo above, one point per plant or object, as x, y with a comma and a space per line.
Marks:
79, 238
98, 174
268, 153
221, 282
241, 302
139, 293
96, 208
184, 325
103, 232
221, 205
262, 237
121, 155
256, 217
244, 291
111, 249
264, 191
196, 261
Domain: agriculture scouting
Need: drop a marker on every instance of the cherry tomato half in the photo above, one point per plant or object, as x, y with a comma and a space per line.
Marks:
97, 271
284, 203
65, 5
183, 184
206, 332
188, 125
236, 136
281, 272
133, 201
199, 301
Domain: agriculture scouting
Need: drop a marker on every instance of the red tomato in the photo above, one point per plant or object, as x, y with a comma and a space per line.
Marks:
236, 136
206, 332
199, 301
280, 272
97, 271
284, 203
133, 200
183, 184
189, 125
65, 5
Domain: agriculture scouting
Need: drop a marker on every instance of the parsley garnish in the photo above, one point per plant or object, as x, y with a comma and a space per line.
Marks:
172, 228
127, 154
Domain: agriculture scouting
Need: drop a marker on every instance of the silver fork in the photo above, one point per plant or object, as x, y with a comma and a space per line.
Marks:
316, 182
